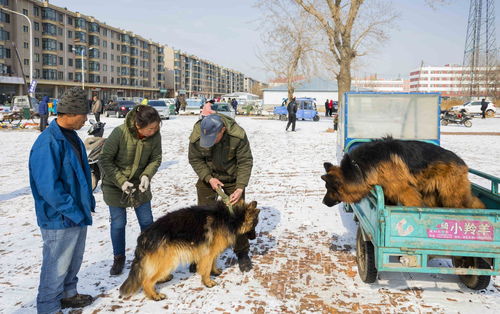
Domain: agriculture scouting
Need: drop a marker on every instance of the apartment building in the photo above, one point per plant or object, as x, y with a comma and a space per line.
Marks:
68, 45
196, 77
451, 80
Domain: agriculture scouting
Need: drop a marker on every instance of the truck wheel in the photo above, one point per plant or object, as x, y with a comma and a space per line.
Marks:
365, 258
490, 114
474, 282
444, 122
468, 123
316, 118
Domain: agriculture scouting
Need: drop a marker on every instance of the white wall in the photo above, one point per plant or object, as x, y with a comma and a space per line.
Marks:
275, 98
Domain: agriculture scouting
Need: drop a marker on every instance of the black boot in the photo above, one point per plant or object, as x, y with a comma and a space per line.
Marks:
77, 301
244, 262
118, 264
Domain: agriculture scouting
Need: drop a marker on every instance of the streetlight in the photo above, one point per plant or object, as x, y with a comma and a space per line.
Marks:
31, 41
83, 70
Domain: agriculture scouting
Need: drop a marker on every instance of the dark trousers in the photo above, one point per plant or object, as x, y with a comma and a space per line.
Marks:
326, 111
97, 116
207, 196
43, 121
291, 120
483, 112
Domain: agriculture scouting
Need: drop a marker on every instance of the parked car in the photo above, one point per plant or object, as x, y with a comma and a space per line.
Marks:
193, 106
170, 104
119, 108
474, 108
161, 107
224, 108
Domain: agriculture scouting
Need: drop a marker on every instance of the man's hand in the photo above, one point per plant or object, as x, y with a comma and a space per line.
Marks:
235, 197
215, 183
143, 187
128, 187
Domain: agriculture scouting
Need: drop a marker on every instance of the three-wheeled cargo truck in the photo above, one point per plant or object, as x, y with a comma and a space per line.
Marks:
406, 239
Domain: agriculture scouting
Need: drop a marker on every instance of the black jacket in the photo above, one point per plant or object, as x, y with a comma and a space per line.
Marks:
292, 108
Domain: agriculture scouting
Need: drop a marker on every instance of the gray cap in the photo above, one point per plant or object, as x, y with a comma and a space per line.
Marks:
210, 127
74, 100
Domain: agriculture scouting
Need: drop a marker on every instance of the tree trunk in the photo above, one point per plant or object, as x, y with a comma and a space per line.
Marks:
344, 80
291, 90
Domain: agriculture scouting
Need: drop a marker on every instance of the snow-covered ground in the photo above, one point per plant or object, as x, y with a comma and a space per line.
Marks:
303, 256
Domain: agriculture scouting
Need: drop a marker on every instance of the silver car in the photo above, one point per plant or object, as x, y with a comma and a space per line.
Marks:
161, 107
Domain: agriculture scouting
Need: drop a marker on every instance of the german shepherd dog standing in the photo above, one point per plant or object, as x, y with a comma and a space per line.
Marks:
411, 173
195, 234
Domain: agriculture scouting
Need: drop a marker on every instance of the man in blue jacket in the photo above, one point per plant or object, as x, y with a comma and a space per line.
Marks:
43, 111
61, 186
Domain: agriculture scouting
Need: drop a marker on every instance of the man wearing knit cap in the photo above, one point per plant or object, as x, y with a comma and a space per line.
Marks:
62, 190
220, 154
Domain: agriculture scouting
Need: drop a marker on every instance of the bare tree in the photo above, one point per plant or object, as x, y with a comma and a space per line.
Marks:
289, 42
350, 31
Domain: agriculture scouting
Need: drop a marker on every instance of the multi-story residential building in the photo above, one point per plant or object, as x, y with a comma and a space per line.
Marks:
450, 80
194, 76
68, 45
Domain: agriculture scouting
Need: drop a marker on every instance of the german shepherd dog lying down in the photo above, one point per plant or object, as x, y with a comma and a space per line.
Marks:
411, 173
195, 234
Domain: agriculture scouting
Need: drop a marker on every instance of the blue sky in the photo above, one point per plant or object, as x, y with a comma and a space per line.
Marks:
227, 31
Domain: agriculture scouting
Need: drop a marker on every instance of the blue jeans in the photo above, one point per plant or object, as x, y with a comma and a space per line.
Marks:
62, 257
119, 221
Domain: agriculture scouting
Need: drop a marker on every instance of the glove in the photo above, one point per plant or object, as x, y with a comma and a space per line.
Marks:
128, 187
143, 187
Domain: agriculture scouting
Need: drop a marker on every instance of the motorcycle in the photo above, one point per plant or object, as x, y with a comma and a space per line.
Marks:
94, 145
453, 117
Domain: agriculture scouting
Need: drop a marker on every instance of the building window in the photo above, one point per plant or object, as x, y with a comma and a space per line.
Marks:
70, 62
94, 27
26, 61
25, 28
81, 23
81, 36
94, 53
36, 10
112, 68
70, 76
105, 32
112, 57
104, 43
49, 74
37, 42
37, 57
70, 34
61, 61
61, 46
70, 48
112, 46
49, 44
70, 20
4, 17
25, 12
4, 52
49, 14
49, 59
60, 75
37, 26
104, 67
59, 31
94, 40
49, 29
4, 35
61, 18
104, 55
26, 45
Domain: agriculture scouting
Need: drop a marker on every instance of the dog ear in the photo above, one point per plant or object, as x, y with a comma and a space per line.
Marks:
324, 178
327, 166
253, 204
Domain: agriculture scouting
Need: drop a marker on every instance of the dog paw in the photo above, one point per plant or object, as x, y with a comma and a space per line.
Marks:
210, 283
216, 272
159, 297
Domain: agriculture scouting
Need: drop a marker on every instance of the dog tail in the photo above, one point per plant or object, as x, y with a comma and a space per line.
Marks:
134, 280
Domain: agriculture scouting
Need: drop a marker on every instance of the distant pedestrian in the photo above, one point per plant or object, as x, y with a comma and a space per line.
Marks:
292, 114
326, 108
54, 106
484, 105
43, 111
145, 101
130, 158
97, 108
62, 189
330, 107
177, 105
234, 104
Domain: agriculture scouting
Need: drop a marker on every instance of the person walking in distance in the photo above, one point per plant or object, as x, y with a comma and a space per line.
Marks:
97, 108
62, 189
326, 108
220, 154
484, 105
130, 158
43, 111
292, 114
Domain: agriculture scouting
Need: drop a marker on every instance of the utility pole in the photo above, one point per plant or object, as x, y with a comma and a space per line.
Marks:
31, 41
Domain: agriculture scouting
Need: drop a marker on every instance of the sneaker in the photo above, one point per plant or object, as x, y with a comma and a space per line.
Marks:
244, 262
77, 301
118, 263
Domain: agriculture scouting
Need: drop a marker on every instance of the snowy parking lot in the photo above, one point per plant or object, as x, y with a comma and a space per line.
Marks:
304, 259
